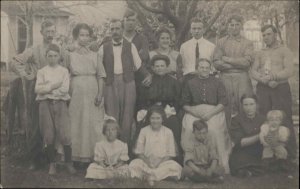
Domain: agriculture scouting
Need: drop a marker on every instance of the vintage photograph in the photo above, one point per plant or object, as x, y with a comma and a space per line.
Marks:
150, 94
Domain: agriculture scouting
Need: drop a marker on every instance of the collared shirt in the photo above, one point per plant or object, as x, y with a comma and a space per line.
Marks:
280, 60
187, 51
117, 50
48, 76
235, 47
202, 153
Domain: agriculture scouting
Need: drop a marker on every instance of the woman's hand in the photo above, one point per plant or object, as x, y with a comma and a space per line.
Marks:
207, 116
98, 100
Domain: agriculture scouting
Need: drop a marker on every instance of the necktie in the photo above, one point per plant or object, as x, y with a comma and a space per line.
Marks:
197, 54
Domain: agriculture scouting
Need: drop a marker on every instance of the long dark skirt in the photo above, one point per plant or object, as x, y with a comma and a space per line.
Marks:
247, 158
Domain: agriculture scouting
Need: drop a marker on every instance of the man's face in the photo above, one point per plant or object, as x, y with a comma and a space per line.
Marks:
269, 36
160, 67
48, 33
203, 69
130, 23
234, 28
52, 58
116, 31
197, 30
201, 135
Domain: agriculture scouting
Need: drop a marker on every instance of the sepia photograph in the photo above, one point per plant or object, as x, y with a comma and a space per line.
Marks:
150, 94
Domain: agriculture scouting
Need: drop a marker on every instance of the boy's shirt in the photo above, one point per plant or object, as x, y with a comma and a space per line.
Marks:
202, 153
48, 76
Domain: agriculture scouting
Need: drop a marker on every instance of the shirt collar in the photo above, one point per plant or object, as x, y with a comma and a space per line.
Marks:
277, 45
117, 44
197, 40
237, 38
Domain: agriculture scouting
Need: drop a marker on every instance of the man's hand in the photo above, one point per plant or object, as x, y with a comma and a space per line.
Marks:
147, 81
273, 84
56, 85
266, 79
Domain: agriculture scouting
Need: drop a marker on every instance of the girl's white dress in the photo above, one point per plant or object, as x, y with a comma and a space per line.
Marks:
110, 153
155, 145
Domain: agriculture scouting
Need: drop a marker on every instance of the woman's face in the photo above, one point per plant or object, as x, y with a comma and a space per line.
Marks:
249, 107
111, 132
160, 67
203, 69
164, 40
156, 121
83, 37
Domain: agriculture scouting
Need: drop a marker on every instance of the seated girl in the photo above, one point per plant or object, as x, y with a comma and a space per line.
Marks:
155, 149
111, 155
165, 92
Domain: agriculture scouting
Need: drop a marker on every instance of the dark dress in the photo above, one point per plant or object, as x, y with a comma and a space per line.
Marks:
164, 90
249, 157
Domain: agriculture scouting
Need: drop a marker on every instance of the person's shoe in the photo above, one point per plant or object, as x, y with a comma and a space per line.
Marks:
70, 168
52, 169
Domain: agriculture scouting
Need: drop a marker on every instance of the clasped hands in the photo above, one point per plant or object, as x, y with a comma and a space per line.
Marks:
269, 80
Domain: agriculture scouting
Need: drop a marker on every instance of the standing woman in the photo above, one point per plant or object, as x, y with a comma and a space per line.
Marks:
245, 159
86, 106
164, 42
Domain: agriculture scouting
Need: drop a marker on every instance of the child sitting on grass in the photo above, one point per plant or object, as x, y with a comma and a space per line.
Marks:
52, 88
201, 163
111, 155
155, 149
274, 137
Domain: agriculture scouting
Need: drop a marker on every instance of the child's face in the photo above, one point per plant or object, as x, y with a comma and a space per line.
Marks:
52, 58
111, 132
201, 135
156, 121
274, 120
160, 67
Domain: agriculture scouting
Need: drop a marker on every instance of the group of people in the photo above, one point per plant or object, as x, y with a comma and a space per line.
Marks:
160, 114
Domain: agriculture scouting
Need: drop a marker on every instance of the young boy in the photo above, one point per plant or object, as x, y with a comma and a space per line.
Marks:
52, 87
274, 137
201, 163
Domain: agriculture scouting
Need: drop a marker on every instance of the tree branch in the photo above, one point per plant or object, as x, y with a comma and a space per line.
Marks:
169, 15
22, 20
21, 7
150, 9
213, 20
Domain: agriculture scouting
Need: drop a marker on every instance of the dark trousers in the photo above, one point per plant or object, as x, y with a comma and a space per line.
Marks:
278, 98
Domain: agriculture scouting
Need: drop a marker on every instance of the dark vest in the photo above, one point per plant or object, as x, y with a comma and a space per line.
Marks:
127, 62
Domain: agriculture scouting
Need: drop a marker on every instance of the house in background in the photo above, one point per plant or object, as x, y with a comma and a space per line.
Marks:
15, 31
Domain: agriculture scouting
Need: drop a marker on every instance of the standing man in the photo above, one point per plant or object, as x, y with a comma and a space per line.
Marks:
26, 65
121, 60
194, 49
141, 44
233, 57
272, 68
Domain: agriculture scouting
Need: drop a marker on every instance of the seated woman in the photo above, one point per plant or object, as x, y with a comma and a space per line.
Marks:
164, 37
204, 98
111, 155
245, 159
155, 149
164, 91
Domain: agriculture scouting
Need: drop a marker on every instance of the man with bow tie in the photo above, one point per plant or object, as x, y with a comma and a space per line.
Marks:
233, 57
121, 60
194, 49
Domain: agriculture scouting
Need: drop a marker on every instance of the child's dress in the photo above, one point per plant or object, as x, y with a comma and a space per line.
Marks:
155, 145
278, 138
110, 153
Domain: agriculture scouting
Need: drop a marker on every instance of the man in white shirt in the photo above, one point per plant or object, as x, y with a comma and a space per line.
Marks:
121, 60
194, 49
